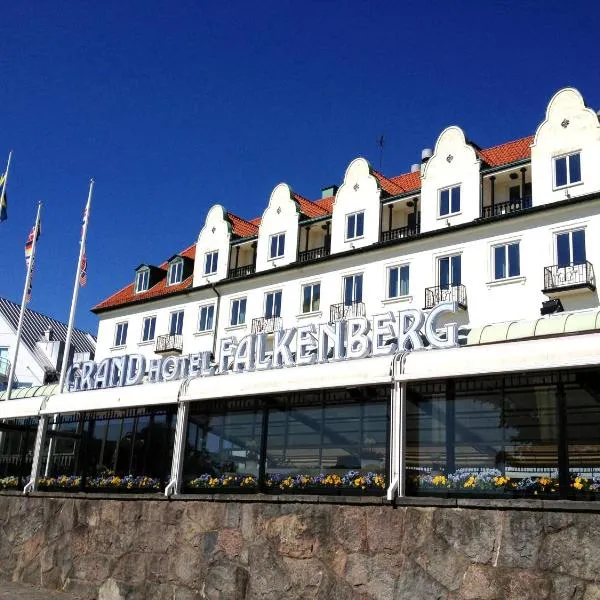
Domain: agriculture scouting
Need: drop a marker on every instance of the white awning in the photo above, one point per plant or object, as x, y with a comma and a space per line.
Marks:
26, 407
348, 373
529, 355
114, 398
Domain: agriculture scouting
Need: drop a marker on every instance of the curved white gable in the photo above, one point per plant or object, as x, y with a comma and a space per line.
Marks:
215, 235
569, 127
280, 216
454, 162
359, 192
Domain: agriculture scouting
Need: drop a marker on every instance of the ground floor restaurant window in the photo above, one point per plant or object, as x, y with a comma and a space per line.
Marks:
324, 442
116, 450
534, 434
17, 438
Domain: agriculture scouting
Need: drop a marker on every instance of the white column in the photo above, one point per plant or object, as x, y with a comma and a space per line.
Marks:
40, 439
174, 485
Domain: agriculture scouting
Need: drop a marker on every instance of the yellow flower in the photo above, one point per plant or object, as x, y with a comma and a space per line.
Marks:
439, 480
469, 483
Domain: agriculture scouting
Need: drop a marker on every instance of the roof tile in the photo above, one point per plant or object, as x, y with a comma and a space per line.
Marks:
241, 227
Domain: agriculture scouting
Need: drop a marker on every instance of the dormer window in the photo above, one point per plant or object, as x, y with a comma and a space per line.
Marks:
211, 261
175, 272
450, 201
355, 225
142, 281
277, 246
567, 170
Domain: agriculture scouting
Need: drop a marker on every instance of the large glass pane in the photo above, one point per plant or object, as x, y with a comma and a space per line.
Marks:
444, 272
306, 294
316, 288
574, 168
499, 262
348, 290
456, 270
455, 199
358, 288
444, 202
350, 221
393, 282
514, 260
17, 437
360, 223
563, 249
404, 275
578, 240
560, 171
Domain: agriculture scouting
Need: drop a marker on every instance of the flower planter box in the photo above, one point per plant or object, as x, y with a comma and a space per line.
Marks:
220, 490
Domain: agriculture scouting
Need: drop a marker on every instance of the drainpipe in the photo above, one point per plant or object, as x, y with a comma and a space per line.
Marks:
214, 348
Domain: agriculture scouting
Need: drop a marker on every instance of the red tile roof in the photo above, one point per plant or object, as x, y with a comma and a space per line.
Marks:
507, 153
241, 227
127, 294
387, 185
309, 208
326, 203
408, 181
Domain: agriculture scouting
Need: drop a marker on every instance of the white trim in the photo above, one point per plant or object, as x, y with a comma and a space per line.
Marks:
307, 315
506, 281
398, 299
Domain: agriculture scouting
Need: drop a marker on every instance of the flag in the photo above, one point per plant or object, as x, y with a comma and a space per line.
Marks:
83, 270
3, 200
29, 256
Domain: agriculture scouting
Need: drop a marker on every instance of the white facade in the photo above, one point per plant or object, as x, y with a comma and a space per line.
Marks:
440, 244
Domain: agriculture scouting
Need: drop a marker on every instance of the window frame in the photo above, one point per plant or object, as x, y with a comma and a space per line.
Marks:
312, 309
438, 272
569, 183
507, 263
179, 325
356, 235
120, 340
570, 233
450, 212
143, 275
153, 329
206, 307
213, 255
233, 301
175, 266
279, 239
273, 293
353, 276
399, 267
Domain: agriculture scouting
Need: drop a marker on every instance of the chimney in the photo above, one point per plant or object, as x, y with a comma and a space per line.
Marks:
328, 191
415, 168
49, 335
426, 154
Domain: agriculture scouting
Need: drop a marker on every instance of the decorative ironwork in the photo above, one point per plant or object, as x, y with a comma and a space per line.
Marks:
398, 233
450, 293
341, 311
241, 271
565, 123
169, 344
504, 208
266, 324
569, 276
313, 254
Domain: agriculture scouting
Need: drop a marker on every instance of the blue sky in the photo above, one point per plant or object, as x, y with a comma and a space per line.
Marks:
175, 106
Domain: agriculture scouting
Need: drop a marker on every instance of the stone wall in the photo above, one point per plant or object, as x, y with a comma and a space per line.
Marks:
244, 548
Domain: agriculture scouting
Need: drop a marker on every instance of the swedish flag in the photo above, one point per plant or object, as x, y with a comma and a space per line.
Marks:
3, 200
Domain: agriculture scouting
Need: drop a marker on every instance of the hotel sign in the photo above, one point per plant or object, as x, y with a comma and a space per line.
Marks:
355, 337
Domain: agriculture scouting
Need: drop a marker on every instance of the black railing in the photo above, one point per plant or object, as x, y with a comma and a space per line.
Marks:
505, 208
169, 344
449, 293
241, 271
341, 311
570, 276
398, 233
313, 254
266, 324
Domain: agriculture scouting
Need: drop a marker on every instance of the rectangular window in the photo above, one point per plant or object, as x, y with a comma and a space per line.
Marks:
238, 311
211, 262
205, 319
148, 328
176, 324
175, 272
398, 281
311, 297
507, 262
353, 286
570, 248
142, 281
121, 334
355, 225
450, 201
273, 304
567, 170
277, 246
449, 271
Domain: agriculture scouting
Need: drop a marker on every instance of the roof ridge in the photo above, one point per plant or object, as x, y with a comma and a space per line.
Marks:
311, 202
241, 218
506, 143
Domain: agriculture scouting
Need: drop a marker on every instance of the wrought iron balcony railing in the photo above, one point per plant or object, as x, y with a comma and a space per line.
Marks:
313, 254
241, 271
169, 344
504, 208
398, 233
266, 324
569, 277
450, 293
341, 311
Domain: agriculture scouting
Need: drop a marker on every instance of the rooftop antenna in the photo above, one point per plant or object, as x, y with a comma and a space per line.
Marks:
381, 144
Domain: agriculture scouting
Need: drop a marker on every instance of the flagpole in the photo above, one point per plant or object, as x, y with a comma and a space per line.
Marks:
65, 362
13, 364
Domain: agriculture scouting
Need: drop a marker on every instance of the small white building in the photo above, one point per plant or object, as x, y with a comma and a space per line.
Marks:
42, 346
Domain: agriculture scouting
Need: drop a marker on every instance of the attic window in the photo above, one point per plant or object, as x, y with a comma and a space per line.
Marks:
142, 281
175, 272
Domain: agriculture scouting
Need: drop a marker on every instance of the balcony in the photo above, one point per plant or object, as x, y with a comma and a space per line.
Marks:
453, 293
561, 279
169, 345
342, 311
313, 254
266, 324
241, 272
398, 233
505, 208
